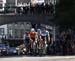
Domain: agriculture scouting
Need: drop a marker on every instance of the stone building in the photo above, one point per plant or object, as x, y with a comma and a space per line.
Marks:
14, 30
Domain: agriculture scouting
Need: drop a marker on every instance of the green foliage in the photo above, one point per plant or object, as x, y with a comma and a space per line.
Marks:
65, 13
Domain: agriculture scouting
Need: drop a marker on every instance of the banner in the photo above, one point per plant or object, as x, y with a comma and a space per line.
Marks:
40, 1
4, 1
37, 1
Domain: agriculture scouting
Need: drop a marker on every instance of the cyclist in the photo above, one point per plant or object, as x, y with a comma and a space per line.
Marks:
45, 37
33, 40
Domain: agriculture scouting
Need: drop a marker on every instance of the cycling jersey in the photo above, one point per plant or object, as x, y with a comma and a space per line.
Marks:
44, 35
32, 34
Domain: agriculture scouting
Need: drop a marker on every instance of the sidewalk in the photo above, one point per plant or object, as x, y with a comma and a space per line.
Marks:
34, 57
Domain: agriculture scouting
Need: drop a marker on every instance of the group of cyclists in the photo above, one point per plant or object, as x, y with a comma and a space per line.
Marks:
41, 42
37, 41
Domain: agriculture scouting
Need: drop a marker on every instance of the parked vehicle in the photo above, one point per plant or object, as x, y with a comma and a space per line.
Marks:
12, 51
3, 49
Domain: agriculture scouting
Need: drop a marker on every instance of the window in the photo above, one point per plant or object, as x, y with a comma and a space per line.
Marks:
10, 31
1, 6
21, 33
1, 31
22, 23
16, 33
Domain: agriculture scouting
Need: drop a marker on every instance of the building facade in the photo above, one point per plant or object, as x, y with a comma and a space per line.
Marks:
14, 30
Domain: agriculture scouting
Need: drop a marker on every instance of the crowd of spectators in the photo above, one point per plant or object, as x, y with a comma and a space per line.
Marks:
44, 8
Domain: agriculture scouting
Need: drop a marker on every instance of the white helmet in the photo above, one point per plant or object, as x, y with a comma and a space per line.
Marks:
32, 30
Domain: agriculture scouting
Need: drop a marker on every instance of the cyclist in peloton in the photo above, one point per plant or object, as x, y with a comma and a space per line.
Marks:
33, 40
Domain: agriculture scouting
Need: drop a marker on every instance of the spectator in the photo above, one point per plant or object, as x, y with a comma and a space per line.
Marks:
50, 8
25, 10
18, 10
32, 8
46, 8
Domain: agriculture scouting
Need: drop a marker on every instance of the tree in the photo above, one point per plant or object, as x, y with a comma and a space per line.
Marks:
65, 13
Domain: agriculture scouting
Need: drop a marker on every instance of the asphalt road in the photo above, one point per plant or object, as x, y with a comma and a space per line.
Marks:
54, 58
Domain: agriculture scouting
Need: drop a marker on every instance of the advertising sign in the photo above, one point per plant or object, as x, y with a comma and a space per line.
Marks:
40, 1
2, 1
2, 4
37, 1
